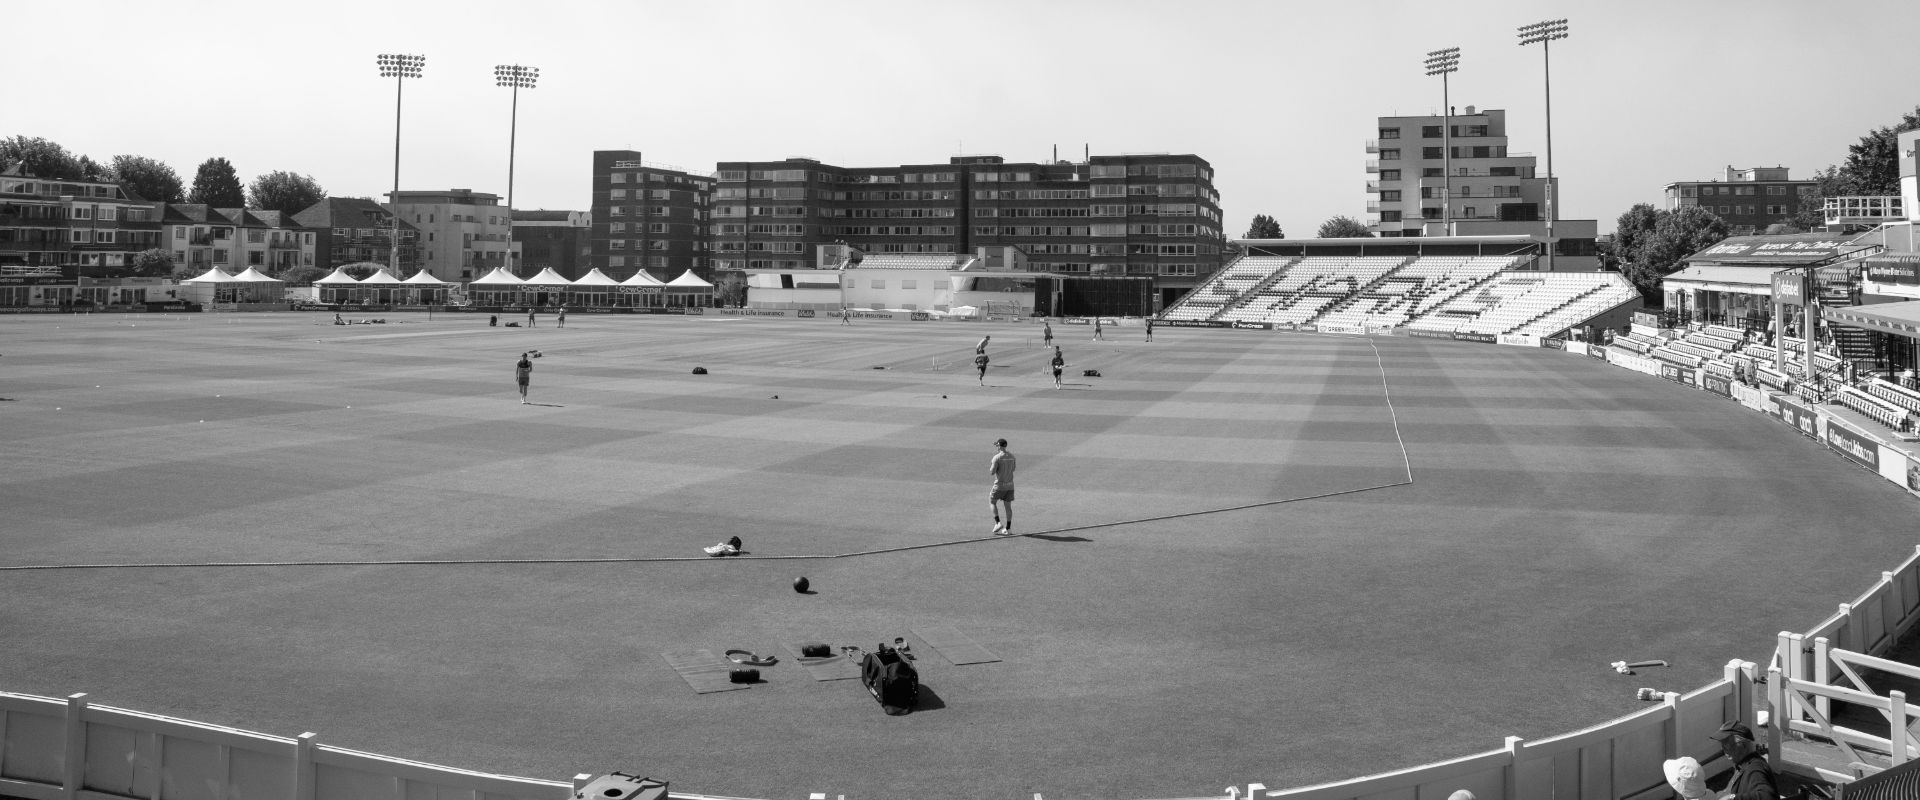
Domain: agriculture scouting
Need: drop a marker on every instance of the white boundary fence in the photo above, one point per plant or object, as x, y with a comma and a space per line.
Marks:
52, 749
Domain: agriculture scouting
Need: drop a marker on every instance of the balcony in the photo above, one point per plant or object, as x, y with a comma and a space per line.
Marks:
1864, 210
1373, 145
1373, 187
1373, 165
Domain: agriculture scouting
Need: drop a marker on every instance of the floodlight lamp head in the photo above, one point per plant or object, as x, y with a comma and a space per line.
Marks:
1443, 61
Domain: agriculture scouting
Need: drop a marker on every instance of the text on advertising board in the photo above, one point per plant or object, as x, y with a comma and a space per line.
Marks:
1853, 445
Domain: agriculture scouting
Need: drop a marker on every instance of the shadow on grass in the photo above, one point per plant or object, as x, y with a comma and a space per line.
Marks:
928, 700
1058, 537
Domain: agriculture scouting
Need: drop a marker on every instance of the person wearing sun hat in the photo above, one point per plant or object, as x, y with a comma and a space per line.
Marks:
1752, 778
1689, 782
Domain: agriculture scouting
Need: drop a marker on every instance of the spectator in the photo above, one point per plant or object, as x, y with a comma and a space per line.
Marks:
1752, 778
1689, 782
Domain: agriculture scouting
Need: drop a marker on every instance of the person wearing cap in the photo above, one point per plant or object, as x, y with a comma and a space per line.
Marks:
980, 361
1752, 778
1059, 363
1689, 782
1002, 493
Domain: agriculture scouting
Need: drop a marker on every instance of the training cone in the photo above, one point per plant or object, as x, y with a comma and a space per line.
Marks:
801, 583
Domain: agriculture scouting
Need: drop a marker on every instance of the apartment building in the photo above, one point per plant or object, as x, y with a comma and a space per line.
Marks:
648, 216
555, 240
350, 230
1417, 161
1154, 215
200, 237
71, 227
1748, 199
461, 234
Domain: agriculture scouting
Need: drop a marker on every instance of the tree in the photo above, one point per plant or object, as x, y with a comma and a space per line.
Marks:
149, 178
285, 192
731, 289
1264, 227
1874, 162
299, 275
361, 272
43, 159
1344, 227
217, 185
1653, 251
150, 264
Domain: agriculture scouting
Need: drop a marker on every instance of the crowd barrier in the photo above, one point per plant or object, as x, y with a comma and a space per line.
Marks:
50, 748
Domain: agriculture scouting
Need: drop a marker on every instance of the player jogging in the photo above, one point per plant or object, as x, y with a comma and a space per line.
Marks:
846, 317
980, 363
523, 374
1002, 493
1059, 362
982, 346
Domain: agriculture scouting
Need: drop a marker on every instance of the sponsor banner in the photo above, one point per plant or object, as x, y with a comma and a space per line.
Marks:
1649, 331
805, 313
1767, 249
1420, 334
1076, 321
37, 280
1306, 326
1646, 319
1597, 353
1677, 373
1256, 326
1554, 344
1484, 338
1187, 323
1578, 348
1754, 398
1859, 447
1793, 413
638, 289
1913, 474
752, 312
1347, 329
1519, 339
1717, 384
1901, 269
696, 310
919, 316
1790, 287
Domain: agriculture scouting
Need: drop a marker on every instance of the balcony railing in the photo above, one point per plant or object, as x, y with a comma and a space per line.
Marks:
1373, 145
1373, 187
1373, 165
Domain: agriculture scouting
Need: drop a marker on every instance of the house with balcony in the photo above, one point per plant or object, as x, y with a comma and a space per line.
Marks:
232, 240
71, 227
1749, 199
460, 234
351, 230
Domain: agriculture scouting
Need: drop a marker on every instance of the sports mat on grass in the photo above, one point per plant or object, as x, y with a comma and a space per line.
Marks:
954, 646
702, 670
836, 667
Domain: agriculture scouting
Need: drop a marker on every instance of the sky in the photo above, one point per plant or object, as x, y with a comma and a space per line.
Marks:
1280, 96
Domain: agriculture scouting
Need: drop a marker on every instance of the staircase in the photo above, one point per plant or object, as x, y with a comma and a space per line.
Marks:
1853, 343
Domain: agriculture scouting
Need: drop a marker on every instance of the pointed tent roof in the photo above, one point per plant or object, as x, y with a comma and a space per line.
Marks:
382, 277
498, 277
548, 277
642, 278
424, 278
689, 279
254, 275
337, 276
595, 277
212, 276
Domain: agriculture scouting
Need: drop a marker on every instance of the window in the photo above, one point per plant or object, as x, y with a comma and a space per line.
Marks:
618, 194
621, 177
1776, 210
306, 239
1430, 152
106, 213
80, 212
179, 256
905, 284
1389, 133
656, 227
1776, 190
103, 237
80, 236
732, 176
1389, 195
1389, 216
879, 284
616, 211
616, 227
1429, 131
1743, 190
657, 262
1389, 154
616, 261
616, 244
256, 258
179, 231
1469, 130
256, 236
1389, 175
657, 244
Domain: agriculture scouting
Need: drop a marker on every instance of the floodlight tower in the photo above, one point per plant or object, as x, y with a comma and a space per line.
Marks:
1543, 34
1441, 63
518, 77
399, 67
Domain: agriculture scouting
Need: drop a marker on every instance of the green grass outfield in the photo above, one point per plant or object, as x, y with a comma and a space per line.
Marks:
1563, 514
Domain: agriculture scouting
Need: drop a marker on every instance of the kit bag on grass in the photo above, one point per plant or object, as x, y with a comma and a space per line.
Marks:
891, 679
